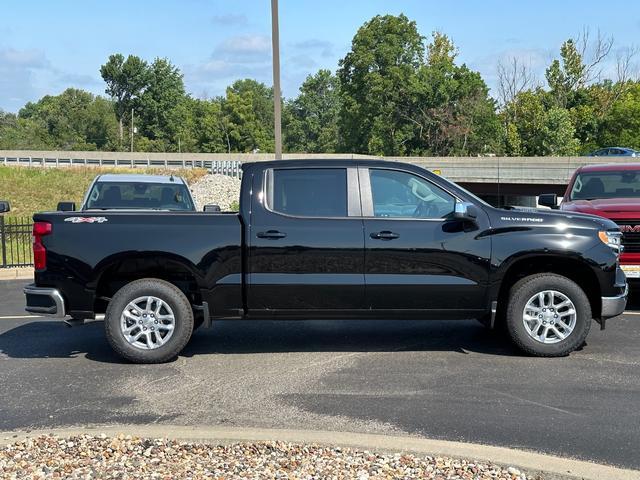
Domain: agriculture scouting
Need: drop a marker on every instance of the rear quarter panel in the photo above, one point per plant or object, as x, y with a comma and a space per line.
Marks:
209, 245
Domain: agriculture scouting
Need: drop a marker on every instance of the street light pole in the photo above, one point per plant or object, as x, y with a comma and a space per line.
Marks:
277, 114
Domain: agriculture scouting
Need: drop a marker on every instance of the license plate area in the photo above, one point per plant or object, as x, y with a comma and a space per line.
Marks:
631, 271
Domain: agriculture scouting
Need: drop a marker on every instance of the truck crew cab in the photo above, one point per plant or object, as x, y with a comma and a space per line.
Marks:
330, 239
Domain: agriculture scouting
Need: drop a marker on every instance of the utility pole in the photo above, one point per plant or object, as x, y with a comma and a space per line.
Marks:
277, 114
132, 129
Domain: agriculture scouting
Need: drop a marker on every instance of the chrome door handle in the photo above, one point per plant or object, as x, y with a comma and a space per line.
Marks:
384, 235
272, 234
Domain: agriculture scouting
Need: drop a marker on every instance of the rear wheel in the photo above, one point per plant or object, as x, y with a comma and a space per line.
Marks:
148, 321
548, 315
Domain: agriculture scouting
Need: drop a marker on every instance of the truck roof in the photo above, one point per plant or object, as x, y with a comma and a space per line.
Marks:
609, 167
321, 161
139, 178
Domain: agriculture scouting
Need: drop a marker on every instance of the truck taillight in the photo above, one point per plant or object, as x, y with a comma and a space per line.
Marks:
40, 229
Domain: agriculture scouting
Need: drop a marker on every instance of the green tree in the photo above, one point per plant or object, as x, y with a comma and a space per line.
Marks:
540, 129
452, 112
557, 136
376, 80
311, 119
24, 134
566, 75
210, 128
73, 120
126, 80
163, 107
247, 112
621, 125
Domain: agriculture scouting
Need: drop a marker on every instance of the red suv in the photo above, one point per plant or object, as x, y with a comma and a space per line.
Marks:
610, 191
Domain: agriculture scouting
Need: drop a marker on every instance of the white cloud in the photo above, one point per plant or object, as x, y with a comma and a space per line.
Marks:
249, 56
11, 57
229, 19
534, 59
19, 70
244, 46
324, 47
302, 60
244, 56
27, 75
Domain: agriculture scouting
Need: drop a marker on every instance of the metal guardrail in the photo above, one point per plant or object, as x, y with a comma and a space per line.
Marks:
475, 170
107, 162
15, 242
230, 168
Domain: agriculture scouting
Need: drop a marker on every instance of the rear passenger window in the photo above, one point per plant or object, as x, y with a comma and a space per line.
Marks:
309, 192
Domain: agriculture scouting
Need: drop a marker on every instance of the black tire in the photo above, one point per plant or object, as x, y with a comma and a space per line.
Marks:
169, 294
524, 290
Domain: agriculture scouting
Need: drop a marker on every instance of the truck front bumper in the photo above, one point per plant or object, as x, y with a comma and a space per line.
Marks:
44, 301
614, 306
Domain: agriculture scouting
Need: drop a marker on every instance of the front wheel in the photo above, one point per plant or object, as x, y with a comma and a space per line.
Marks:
548, 315
148, 321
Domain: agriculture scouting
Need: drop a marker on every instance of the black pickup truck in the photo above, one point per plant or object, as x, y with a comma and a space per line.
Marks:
329, 239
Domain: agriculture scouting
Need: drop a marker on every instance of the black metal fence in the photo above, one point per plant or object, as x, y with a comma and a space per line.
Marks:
15, 242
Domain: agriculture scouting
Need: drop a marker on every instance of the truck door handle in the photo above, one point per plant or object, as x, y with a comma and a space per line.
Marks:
384, 235
273, 234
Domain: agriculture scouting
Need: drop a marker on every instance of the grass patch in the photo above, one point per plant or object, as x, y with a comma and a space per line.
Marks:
37, 189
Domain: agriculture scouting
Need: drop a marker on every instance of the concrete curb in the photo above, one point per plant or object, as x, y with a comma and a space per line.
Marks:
551, 467
16, 273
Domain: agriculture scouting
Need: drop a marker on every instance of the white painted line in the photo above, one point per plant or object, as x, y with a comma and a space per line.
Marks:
17, 317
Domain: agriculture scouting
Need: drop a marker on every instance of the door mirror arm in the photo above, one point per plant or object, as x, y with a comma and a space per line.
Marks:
211, 208
465, 211
548, 200
66, 207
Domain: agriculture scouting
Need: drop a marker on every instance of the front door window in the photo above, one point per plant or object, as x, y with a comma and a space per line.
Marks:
399, 194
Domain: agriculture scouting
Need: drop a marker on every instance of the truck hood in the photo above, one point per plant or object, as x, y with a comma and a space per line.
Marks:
602, 206
542, 217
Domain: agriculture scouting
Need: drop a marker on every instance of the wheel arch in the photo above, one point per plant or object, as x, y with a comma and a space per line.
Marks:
119, 270
577, 270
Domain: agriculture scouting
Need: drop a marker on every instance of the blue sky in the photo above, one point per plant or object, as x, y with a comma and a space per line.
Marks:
46, 46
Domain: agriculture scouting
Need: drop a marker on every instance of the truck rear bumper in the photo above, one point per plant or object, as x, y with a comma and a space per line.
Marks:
614, 306
44, 301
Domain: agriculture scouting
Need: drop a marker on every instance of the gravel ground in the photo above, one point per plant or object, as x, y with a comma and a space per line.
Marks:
219, 189
126, 457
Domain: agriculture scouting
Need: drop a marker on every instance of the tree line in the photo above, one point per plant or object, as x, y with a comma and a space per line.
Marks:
394, 93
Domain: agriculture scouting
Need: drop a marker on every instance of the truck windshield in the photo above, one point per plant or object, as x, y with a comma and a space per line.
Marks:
137, 196
609, 184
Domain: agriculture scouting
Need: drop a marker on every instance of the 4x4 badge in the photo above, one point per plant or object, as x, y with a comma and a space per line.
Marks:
86, 219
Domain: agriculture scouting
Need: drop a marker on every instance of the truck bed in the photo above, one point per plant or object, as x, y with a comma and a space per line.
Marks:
84, 245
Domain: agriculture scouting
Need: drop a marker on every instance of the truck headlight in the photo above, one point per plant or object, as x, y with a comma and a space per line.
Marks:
613, 239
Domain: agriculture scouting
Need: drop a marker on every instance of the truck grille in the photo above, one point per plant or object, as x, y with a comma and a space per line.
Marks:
630, 235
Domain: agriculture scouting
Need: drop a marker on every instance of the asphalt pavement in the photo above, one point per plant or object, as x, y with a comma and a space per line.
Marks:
447, 380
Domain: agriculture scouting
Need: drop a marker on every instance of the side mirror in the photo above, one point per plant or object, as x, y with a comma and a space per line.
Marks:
66, 207
548, 200
465, 211
211, 208
4, 206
